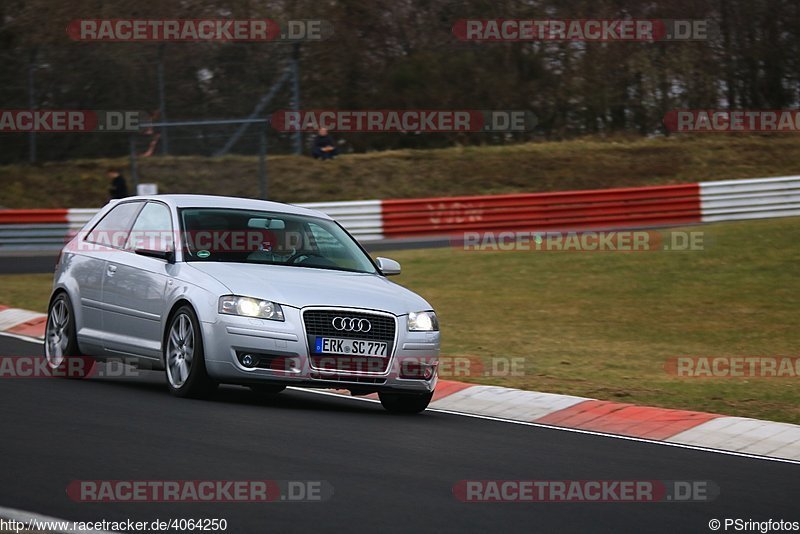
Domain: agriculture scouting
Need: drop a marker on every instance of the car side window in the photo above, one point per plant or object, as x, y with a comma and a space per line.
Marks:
113, 228
152, 229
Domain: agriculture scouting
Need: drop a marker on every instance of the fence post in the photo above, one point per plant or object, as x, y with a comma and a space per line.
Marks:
298, 135
134, 168
31, 103
262, 165
162, 105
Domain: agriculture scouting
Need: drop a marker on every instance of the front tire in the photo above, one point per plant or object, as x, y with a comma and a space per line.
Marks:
61, 342
405, 402
184, 357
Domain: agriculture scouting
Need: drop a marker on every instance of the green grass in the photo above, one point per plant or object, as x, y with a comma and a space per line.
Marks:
603, 325
547, 166
27, 291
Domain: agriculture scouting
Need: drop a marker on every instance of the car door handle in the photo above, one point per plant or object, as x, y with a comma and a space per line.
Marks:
111, 270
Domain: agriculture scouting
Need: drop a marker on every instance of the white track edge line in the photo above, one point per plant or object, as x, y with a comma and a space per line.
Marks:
537, 425
579, 430
21, 337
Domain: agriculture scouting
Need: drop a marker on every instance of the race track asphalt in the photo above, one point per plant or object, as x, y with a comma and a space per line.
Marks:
21, 263
388, 473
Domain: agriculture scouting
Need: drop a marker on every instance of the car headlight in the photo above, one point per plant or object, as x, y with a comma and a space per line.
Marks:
250, 307
423, 322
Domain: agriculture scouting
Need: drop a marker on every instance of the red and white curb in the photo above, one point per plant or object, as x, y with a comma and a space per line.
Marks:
684, 427
699, 429
22, 323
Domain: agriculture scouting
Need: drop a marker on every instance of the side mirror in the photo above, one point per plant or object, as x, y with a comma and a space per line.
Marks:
388, 267
167, 255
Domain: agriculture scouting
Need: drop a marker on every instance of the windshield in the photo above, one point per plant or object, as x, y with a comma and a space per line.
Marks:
247, 236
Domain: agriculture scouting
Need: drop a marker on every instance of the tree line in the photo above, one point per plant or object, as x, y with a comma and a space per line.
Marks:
394, 54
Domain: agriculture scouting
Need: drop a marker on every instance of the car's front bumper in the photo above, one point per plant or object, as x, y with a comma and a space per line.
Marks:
226, 339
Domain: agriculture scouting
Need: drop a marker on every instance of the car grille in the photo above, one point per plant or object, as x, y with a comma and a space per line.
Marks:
319, 323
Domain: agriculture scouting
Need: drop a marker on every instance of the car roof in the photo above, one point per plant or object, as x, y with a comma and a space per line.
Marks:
213, 201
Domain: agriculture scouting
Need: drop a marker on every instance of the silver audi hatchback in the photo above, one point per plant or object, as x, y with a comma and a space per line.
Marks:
226, 290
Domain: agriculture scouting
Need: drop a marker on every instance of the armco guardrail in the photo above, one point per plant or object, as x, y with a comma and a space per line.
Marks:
362, 218
750, 199
606, 208
370, 220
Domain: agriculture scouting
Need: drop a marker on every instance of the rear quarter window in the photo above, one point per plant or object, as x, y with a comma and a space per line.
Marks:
113, 229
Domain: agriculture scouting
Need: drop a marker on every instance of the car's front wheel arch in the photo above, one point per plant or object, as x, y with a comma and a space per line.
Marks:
177, 305
183, 354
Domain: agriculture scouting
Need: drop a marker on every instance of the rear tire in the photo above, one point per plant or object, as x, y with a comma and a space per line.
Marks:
405, 402
184, 357
61, 351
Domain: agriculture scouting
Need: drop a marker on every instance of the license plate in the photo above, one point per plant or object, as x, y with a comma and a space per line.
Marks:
351, 347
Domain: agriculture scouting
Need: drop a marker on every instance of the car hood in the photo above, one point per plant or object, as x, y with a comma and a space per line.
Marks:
302, 286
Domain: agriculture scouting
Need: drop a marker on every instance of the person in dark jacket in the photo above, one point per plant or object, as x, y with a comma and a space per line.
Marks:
324, 148
119, 187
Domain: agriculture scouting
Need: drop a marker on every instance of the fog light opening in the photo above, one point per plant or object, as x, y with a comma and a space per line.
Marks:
417, 370
428, 372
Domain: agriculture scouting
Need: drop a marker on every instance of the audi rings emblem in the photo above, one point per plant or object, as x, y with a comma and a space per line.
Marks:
350, 324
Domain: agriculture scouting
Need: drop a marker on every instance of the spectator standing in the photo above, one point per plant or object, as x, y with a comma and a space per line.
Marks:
118, 187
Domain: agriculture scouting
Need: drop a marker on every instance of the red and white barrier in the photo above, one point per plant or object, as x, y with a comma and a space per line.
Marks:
371, 220
604, 208
759, 198
58, 216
